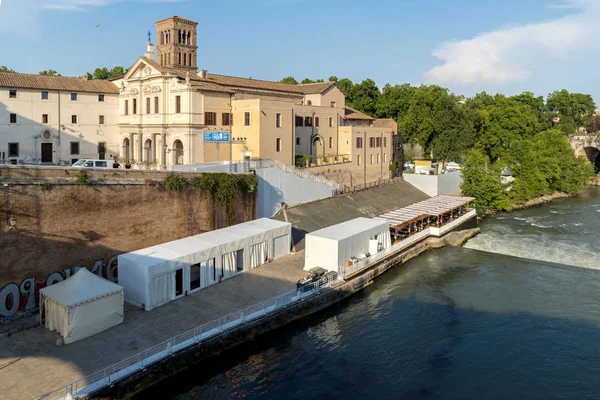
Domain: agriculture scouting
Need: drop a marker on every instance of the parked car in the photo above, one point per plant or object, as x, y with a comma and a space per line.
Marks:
87, 163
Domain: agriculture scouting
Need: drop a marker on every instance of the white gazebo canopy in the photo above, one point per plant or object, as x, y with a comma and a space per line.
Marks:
81, 306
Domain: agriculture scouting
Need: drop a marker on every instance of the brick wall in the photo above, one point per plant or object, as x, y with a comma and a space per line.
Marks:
60, 225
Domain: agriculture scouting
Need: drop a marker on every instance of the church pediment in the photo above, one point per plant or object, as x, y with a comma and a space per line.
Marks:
141, 70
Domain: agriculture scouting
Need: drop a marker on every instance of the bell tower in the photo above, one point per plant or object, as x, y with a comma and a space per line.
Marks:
176, 40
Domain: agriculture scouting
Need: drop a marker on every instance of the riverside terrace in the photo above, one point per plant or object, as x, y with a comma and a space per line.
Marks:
435, 212
33, 365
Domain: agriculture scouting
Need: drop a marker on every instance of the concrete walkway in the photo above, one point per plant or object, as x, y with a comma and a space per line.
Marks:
31, 364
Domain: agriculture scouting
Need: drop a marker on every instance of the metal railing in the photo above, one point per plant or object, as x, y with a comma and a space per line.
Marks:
105, 377
368, 261
268, 163
368, 185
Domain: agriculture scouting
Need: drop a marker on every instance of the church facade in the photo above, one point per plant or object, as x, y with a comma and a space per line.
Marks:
165, 112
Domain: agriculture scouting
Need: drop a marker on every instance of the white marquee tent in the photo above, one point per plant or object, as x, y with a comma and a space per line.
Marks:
81, 306
331, 247
162, 273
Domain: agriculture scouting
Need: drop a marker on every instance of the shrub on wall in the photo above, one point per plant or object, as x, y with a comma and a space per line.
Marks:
174, 182
83, 178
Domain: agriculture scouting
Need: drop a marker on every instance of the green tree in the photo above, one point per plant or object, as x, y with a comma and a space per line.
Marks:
503, 124
573, 109
89, 76
101, 73
394, 101
290, 80
482, 180
333, 78
438, 122
364, 96
117, 71
4, 68
345, 86
537, 106
49, 72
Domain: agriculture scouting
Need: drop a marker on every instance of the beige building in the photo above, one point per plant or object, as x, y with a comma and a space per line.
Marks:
163, 113
56, 120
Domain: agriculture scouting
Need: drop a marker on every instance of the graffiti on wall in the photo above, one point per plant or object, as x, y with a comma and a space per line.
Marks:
16, 299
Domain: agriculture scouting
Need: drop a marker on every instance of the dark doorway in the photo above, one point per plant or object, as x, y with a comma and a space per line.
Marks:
47, 152
178, 282
102, 150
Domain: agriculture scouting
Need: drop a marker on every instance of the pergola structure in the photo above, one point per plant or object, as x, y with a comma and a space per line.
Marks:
436, 211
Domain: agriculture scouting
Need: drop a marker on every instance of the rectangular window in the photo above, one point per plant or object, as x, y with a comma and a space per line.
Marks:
148, 105
278, 145
134, 111
45, 95
44, 118
73, 119
378, 159
299, 120
74, 148
308, 121
371, 142
225, 120
13, 149
385, 142
210, 118
13, 118
378, 142
101, 119
178, 104
126, 107
247, 118
330, 142
330, 122
156, 105
73, 96
297, 141
278, 120
101, 98
384, 157
333, 104
359, 143
12, 93
194, 277
316, 122
102, 149
358, 159
371, 158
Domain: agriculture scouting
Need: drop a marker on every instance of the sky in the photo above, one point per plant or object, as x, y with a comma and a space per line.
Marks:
469, 46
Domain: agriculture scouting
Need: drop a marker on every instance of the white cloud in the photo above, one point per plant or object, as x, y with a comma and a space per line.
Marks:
510, 54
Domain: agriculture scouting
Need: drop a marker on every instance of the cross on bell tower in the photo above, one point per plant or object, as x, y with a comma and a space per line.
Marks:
149, 37
176, 40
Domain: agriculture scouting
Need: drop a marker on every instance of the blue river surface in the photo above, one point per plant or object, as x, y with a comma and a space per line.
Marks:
513, 315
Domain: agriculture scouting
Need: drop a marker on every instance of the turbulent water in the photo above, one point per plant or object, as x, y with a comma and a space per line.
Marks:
565, 231
455, 323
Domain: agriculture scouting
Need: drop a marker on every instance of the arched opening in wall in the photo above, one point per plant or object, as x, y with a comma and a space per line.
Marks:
179, 59
126, 147
184, 59
177, 152
189, 38
148, 156
317, 147
309, 103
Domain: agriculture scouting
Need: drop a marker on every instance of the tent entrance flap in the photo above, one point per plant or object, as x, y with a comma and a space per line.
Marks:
178, 282
163, 289
259, 254
232, 263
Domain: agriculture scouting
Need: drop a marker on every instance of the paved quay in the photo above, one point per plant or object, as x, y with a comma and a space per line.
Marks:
31, 364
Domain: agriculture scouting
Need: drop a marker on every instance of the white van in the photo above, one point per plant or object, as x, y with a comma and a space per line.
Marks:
87, 163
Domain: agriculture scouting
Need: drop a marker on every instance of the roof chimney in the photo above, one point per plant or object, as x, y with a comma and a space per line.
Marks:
204, 74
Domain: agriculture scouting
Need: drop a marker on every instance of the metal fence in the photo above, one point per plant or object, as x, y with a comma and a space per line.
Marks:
267, 163
107, 376
358, 188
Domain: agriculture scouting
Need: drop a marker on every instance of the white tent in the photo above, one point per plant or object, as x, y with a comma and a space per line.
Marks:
162, 273
331, 247
81, 306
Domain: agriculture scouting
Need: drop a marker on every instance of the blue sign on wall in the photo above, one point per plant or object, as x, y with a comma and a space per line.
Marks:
216, 136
